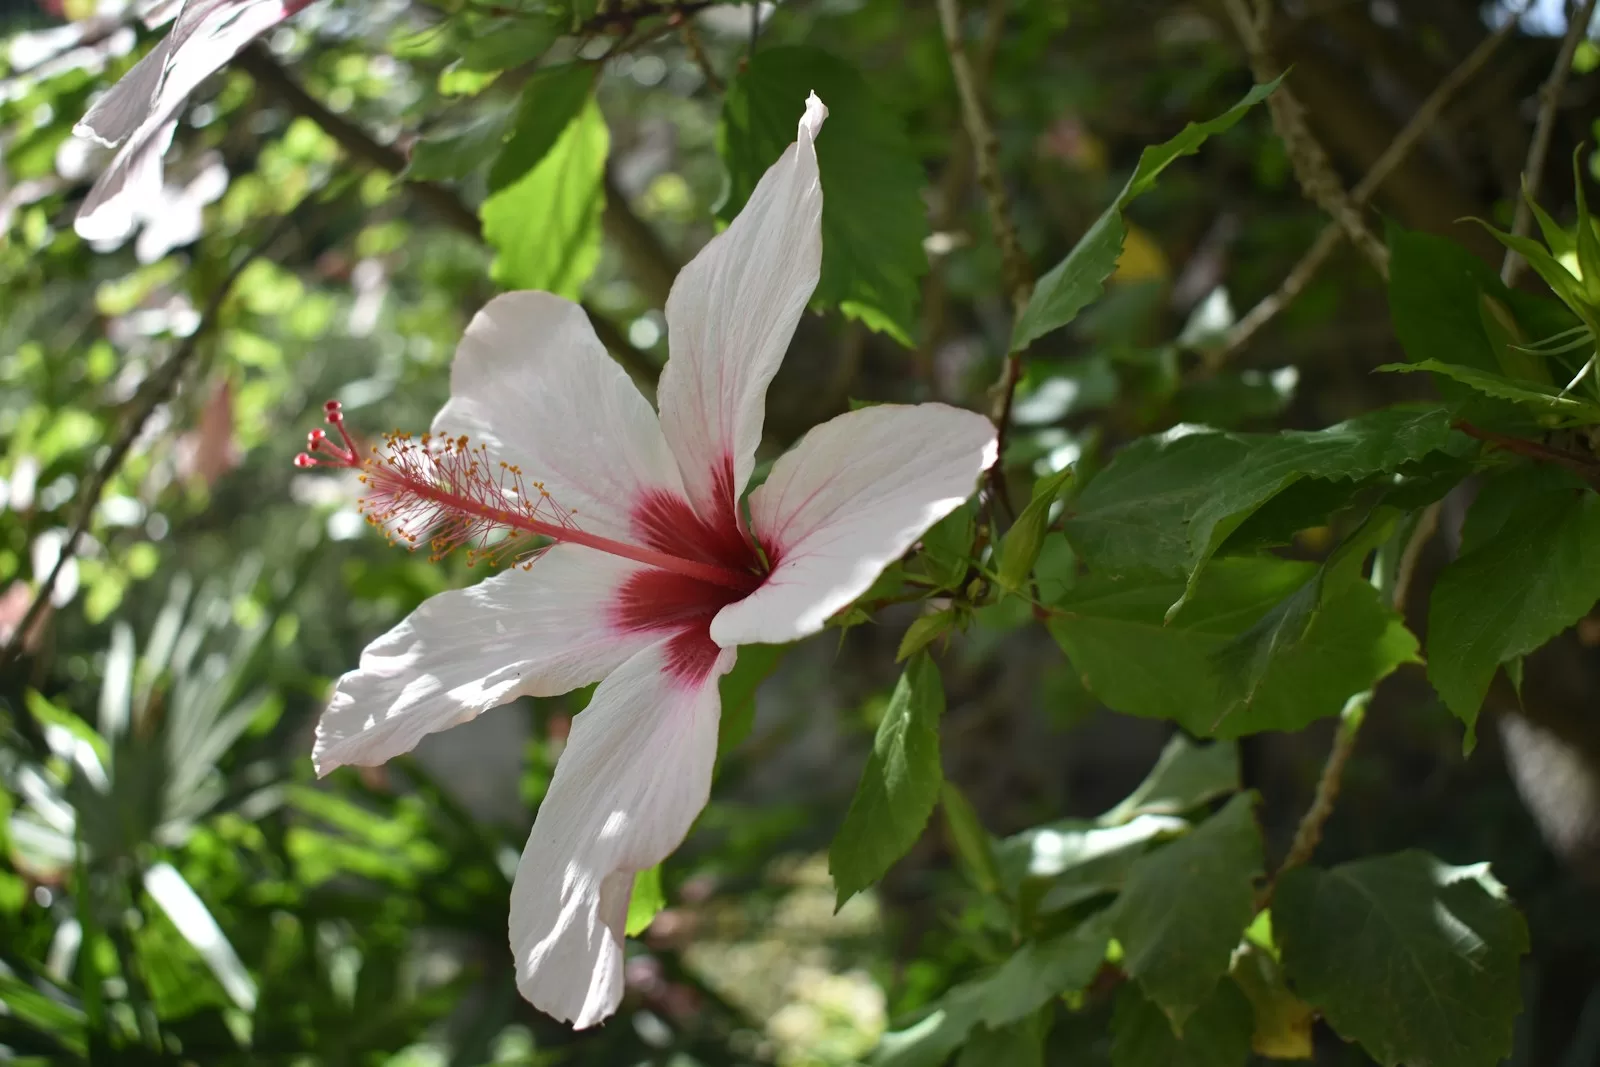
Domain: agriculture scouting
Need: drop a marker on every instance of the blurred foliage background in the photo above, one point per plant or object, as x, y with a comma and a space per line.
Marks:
175, 886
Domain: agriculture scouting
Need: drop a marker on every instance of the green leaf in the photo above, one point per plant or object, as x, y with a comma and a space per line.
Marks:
456, 153
1185, 907
923, 631
552, 99
646, 902
1185, 776
501, 43
1282, 1020
1217, 1034
973, 845
1188, 671
1020, 1044
1029, 979
545, 229
738, 689
1075, 282
947, 548
1528, 569
1545, 400
1166, 503
1066, 862
899, 786
873, 217
1019, 549
1414, 959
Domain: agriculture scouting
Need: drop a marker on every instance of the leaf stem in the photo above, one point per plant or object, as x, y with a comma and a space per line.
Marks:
1539, 149
1308, 834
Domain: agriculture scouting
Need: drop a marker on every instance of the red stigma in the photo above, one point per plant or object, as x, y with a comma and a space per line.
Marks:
320, 449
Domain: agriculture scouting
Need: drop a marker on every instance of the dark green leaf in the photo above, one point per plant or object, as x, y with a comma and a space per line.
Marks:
502, 43
738, 689
545, 229
1416, 960
1034, 975
456, 153
873, 217
1117, 636
552, 99
1020, 1044
1075, 282
947, 548
1165, 504
1529, 568
1546, 400
1216, 1035
1185, 908
1072, 860
1185, 776
973, 845
899, 786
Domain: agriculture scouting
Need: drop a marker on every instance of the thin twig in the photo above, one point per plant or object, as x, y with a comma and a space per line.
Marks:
1318, 180
1308, 834
952, 191
691, 41
1420, 123
440, 199
1549, 98
1014, 265
155, 392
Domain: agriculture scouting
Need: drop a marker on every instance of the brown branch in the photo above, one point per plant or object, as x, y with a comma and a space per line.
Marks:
1584, 466
157, 389
1014, 265
1420, 123
1550, 96
1318, 180
441, 199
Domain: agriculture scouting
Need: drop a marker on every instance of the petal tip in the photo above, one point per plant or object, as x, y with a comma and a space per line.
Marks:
811, 121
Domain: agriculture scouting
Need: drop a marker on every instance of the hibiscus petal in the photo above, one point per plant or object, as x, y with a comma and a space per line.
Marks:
730, 316
535, 632
635, 773
850, 498
131, 185
533, 382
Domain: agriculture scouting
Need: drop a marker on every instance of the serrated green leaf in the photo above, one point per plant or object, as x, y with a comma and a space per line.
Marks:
1414, 959
973, 845
873, 217
1167, 503
1545, 400
1028, 980
1528, 569
1185, 907
646, 902
552, 99
947, 548
1216, 1035
1020, 1044
899, 786
1185, 776
1075, 282
923, 631
1069, 861
545, 229
1133, 659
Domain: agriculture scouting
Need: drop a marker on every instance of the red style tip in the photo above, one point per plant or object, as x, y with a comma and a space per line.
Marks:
320, 449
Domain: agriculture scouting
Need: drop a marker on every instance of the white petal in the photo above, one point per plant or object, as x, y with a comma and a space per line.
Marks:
536, 632
533, 382
850, 498
206, 38
123, 108
730, 316
635, 773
